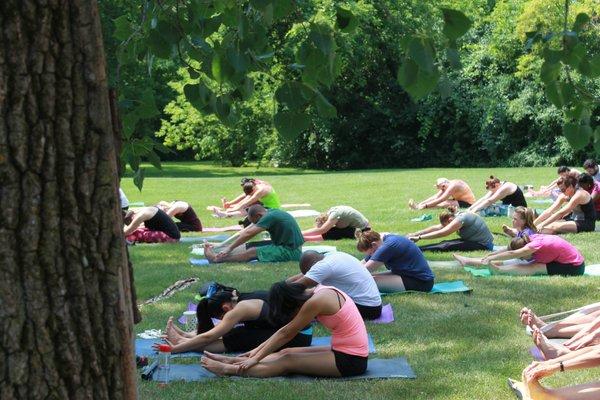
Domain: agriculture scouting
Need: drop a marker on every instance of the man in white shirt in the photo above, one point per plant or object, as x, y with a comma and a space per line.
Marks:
343, 272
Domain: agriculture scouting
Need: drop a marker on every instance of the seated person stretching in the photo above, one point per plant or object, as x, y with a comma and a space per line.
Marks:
454, 193
339, 222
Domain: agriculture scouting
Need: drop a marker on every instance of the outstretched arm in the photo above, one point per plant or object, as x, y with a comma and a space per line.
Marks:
583, 358
550, 210
479, 204
330, 223
446, 194
431, 198
447, 230
524, 252
260, 192
432, 228
243, 236
373, 265
564, 211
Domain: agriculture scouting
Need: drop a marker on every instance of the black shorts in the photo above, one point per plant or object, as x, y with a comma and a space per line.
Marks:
369, 312
415, 284
585, 225
241, 339
350, 365
463, 204
556, 268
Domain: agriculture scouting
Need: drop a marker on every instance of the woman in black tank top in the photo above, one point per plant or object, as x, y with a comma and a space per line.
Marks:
572, 212
507, 192
244, 324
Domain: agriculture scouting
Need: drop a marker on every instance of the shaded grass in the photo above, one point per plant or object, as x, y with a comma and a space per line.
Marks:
460, 346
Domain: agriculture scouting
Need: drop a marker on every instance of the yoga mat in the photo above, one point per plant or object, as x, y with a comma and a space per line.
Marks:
199, 262
136, 204
592, 270
304, 213
319, 249
378, 368
542, 201
230, 228
442, 287
386, 317
200, 239
143, 347
481, 272
443, 264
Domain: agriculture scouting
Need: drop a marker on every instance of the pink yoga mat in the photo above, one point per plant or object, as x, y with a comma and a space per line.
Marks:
387, 315
231, 228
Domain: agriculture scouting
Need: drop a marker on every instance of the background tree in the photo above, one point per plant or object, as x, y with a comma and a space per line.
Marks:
66, 314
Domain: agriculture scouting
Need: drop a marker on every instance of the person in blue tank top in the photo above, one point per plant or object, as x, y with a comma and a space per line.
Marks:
408, 269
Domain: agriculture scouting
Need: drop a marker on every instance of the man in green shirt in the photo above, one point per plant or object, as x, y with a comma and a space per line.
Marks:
285, 244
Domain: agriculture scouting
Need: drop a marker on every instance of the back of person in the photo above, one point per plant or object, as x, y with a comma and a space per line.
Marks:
515, 199
162, 222
474, 229
403, 257
348, 216
283, 228
262, 322
345, 272
189, 220
553, 248
348, 330
463, 192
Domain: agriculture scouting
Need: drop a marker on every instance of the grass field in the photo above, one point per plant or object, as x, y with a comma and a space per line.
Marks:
460, 346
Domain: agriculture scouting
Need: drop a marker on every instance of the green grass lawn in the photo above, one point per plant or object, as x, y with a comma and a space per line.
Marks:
460, 346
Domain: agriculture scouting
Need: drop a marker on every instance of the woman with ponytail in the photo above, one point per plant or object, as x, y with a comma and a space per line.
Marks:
407, 267
244, 324
507, 192
295, 306
472, 231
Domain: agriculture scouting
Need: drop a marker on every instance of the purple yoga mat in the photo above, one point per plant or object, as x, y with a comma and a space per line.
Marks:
387, 315
191, 307
537, 353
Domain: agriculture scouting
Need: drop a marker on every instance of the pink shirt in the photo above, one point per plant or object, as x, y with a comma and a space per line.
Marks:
348, 330
553, 248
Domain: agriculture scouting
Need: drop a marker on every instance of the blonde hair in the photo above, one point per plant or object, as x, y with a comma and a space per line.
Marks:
528, 215
449, 213
321, 219
365, 239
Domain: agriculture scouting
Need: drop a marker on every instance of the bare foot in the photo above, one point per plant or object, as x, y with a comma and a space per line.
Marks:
466, 260
549, 349
217, 367
519, 389
209, 252
172, 335
222, 358
412, 205
508, 231
536, 391
529, 318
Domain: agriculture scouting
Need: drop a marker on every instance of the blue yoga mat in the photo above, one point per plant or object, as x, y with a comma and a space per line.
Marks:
442, 287
143, 347
199, 261
378, 368
200, 239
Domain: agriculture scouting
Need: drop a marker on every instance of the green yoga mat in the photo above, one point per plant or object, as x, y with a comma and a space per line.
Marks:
590, 270
442, 287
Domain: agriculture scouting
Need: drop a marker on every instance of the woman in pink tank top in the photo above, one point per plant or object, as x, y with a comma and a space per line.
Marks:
295, 306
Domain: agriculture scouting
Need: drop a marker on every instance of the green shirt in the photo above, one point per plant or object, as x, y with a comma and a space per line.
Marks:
271, 200
283, 228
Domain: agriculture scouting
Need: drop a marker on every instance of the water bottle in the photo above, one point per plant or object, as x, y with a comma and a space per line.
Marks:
510, 211
164, 368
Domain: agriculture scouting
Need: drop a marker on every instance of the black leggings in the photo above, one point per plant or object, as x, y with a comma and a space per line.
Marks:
241, 339
556, 268
339, 233
369, 312
454, 245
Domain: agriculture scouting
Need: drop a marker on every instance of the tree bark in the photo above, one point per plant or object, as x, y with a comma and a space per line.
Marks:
65, 305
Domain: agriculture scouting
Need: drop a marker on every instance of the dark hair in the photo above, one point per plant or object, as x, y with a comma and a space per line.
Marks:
247, 180
585, 179
562, 169
212, 307
493, 181
519, 242
590, 163
568, 181
365, 238
128, 217
248, 187
284, 301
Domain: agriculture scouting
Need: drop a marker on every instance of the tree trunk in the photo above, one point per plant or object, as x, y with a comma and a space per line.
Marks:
65, 305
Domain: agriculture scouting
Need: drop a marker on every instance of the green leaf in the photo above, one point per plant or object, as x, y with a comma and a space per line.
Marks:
422, 52
158, 45
147, 105
574, 112
123, 29
222, 107
549, 72
324, 107
552, 56
290, 124
453, 58
456, 24
198, 95
567, 92
294, 95
260, 4
154, 159
580, 21
130, 120
415, 81
221, 70
247, 88
138, 178
237, 59
282, 8
553, 94
593, 69
202, 9
574, 56
578, 136
345, 20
